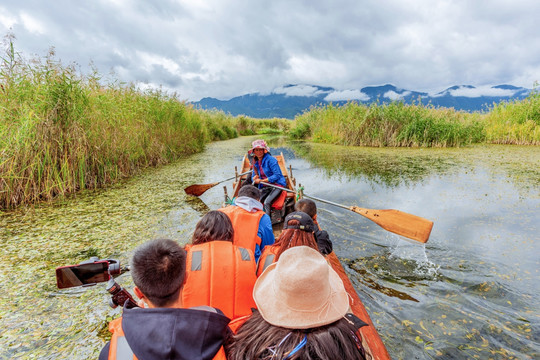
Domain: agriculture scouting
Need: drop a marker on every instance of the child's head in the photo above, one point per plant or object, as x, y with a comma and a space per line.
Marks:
158, 268
306, 205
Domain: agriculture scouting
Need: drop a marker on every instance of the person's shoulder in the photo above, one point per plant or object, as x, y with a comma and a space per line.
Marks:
321, 233
104, 354
271, 158
265, 220
323, 242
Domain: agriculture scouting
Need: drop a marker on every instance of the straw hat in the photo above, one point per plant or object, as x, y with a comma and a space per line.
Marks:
259, 144
300, 291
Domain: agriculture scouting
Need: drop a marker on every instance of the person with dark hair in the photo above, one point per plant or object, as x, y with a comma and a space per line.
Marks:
302, 313
323, 240
298, 230
266, 170
252, 226
214, 225
163, 329
219, 273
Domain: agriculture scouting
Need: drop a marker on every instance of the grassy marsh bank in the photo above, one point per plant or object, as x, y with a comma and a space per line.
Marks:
61, 131
397, 124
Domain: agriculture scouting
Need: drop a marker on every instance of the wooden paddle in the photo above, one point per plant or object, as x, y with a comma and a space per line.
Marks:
398, 222
401, 223
199, 189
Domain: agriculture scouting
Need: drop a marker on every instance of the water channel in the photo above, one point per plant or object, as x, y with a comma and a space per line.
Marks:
470, 292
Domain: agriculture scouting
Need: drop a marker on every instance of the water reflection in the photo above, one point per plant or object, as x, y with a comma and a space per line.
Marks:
393, 167
470, 291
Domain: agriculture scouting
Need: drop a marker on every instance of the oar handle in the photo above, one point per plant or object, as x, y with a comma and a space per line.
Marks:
329, 202
277, 187
314, 198
234, 177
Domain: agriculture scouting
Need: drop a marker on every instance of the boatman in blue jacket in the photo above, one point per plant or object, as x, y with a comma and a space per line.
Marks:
266, 170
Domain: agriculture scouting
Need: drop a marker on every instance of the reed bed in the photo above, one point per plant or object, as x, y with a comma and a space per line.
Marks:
61, 131
515, 122
397, 124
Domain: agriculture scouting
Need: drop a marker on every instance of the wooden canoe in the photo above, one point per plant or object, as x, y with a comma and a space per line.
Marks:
371, 340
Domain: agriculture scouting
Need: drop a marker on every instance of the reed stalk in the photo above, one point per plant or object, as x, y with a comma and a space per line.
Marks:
397, 124
62, 132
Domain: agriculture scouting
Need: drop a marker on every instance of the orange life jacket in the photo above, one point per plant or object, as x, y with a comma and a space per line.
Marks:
221, 275
245, 225
267, 258
119, 348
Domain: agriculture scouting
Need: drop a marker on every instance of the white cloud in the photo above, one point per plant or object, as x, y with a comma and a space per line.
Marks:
150, 60
226, 48
392, 95
32, 24
314, 70
481, 91
6, 20
299, 90
347, 95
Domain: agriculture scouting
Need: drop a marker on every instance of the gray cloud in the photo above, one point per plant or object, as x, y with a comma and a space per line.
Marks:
225, 48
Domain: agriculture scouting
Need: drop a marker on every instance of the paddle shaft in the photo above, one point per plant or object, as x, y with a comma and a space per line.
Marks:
234, 177
199, 189
398, 222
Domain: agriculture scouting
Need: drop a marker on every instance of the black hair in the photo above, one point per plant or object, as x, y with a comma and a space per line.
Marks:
250, 191
158, 268
215, 225
306, 205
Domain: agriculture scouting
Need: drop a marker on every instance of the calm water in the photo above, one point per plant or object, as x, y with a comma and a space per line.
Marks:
470, 292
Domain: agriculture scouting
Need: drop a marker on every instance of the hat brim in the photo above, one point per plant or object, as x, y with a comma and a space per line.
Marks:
274, 311
259, 147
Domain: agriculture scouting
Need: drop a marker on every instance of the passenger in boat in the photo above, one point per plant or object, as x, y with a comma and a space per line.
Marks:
164, 330
252, 227
218, 273
323, 240
266, 170
302, 313
298, 230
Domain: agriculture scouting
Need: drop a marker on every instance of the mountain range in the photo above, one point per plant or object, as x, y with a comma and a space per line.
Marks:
291, 100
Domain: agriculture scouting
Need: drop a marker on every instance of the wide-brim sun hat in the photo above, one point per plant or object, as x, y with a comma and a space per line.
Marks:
300, 291
259, 144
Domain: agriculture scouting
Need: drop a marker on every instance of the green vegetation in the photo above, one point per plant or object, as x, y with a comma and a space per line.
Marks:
61, 132
397, 124
516, 122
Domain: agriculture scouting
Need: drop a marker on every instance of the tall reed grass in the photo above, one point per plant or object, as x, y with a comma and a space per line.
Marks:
515, 122
393, 124
61, 131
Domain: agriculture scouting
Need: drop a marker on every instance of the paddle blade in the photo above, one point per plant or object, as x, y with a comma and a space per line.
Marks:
198, 189
398, 222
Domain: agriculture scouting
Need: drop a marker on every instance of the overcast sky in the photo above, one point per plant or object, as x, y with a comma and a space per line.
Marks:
227, 48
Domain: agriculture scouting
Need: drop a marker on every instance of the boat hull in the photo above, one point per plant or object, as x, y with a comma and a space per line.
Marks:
371, 340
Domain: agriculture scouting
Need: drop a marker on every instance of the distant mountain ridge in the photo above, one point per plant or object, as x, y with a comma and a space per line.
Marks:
291, 100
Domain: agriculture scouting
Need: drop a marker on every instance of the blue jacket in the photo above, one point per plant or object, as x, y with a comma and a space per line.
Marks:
271, 169
266, 234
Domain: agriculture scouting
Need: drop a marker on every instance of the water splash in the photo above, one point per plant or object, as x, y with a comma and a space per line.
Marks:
414, 253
